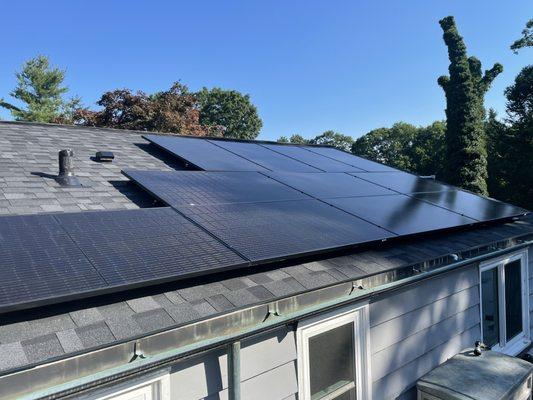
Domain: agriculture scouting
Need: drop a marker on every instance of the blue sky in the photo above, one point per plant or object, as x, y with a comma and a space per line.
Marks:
309, 66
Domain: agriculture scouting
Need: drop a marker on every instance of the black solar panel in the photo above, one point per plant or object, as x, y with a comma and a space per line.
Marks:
350, 159
264, 156
203, 154
315, 160
324, 185
146, 245
39, 261
278, 230
201, 188
403, 182
401, 214
473, 206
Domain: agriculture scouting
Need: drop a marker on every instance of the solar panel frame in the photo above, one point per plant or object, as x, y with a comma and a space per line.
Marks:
403, 182
264, 156
351, 159
324, 164
194, 151
274, 231
324, 185
177, 188
480, 208
388, 211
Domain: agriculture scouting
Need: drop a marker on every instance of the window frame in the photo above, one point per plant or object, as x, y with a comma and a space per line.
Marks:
357, 314
522, 340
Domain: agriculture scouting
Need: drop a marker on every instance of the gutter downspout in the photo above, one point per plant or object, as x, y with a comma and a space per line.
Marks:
234, 371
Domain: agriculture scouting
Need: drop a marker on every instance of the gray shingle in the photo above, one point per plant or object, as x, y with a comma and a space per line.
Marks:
94, 335
153, 320
143, 304
86, 317
42, 348
12, 356
69, 341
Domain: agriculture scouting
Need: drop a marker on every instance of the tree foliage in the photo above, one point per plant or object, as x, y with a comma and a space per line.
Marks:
294, 139
230, 110
405, 146
465, 87
40, 88
335, 139
527, 38
175, 111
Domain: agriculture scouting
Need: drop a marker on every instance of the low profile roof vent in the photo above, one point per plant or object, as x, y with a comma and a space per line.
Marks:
104, 156
66, 175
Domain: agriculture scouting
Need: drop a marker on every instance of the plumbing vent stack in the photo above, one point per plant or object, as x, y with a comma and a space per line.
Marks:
66, 175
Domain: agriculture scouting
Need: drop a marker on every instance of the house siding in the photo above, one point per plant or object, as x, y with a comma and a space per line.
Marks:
530, 276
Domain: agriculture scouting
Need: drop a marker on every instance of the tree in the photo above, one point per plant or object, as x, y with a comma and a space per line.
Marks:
40, 88
175, 111
231, 110
426, 152
294, 139
527, 38
335, 139
466, 154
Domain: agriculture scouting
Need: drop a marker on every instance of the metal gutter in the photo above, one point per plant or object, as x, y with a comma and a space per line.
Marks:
83, 372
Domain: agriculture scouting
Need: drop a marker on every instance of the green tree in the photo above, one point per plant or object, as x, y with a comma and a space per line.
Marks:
294, 139
426, 152
231, 110
335, 139
40, 88
527, 38
466, 153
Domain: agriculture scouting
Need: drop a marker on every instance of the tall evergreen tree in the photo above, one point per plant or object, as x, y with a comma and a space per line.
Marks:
40, 88
465, 88
527, 38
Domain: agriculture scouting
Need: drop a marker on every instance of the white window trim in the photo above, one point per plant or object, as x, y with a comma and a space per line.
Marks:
521, 341
160, 383
359, 315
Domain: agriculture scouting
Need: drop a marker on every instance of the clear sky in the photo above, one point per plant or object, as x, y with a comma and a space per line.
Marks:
309, 66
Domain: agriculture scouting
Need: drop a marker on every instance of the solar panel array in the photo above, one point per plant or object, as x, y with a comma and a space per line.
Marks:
253, 203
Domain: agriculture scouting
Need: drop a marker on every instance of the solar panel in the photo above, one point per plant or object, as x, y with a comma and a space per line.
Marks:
203, 154
403, 182
146, 245
350, 159
315, 160
323, 185
39, 262
185, 187
401, 214
477, 207
283, 229
264, 156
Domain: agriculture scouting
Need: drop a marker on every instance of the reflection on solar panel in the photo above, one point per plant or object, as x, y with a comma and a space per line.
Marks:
401, 214
324, 185
278, 230
322, 163
201, 188
403, 182
473, 206
359, 162
39, 261
264, 157
203, 154
128, 247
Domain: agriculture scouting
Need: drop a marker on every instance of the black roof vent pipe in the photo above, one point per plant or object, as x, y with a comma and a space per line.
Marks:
66, 175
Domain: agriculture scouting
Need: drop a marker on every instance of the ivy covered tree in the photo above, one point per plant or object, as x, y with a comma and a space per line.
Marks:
230, 110
40, 88
335, 139
465, 88
527, 38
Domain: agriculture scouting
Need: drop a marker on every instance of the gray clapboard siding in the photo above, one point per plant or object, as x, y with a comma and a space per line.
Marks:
417, 295
390, 359
394, 385
396, 329
416, 328
206, 376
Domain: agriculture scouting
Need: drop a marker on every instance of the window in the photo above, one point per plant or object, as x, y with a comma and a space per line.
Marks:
333, 356
505, 303
140, 389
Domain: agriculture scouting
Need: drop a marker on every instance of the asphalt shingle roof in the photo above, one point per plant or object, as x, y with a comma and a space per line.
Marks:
29, 156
